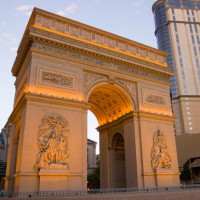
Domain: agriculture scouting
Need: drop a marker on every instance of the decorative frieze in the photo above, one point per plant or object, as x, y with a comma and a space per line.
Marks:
57, 79
81, 31
80, 56
160, 157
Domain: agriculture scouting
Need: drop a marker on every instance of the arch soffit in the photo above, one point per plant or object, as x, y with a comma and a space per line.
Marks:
115, 94
115, 84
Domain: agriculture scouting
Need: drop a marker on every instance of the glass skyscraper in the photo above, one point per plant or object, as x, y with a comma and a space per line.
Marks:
177, 28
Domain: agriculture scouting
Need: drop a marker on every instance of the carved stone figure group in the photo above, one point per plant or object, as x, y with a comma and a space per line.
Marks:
159, 154
53, 143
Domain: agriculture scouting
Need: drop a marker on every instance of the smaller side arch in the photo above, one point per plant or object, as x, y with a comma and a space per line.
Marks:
117, 161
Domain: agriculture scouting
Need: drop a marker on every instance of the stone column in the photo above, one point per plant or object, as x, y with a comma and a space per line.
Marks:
104, 160
130, 153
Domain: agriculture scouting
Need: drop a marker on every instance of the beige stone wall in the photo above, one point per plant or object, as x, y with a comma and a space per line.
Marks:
28, 154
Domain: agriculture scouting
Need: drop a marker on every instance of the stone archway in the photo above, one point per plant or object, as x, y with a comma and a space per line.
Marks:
118, 161
113, 107
109, 102
63, 69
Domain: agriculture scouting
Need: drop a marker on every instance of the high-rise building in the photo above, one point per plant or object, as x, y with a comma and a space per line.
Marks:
177, 28
178, 32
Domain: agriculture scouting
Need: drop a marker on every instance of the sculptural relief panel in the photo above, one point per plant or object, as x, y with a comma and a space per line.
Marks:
53, 143
160, 157
90, 78
131, 87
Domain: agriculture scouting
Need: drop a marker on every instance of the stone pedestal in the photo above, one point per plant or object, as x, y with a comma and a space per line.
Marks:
58, 177
164, 177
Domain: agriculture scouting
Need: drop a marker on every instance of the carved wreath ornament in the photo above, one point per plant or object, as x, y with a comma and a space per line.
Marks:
53, 143
160, 157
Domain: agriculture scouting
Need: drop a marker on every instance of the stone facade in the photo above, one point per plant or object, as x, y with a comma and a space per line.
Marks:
63, 69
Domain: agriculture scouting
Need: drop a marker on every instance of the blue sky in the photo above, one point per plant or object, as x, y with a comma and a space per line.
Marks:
132, 19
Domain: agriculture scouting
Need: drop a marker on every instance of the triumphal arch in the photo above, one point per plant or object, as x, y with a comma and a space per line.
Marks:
63, 69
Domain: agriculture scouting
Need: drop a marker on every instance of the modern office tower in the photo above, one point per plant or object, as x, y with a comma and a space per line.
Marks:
177, 28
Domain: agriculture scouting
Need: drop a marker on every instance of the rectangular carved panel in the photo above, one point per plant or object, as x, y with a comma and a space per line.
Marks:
154, 99
48, 77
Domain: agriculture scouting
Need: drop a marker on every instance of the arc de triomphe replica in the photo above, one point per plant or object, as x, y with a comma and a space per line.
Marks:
63, 69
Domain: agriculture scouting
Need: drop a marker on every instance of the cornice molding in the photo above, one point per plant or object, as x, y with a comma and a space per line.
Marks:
48, 99
72, 41
61, 42
112, 64
134, 67
154, 116
79, 30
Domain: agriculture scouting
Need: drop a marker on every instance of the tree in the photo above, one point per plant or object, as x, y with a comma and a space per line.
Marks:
94, 178
185, 173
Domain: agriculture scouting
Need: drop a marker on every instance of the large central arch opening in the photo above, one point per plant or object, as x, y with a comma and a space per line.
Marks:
110, 104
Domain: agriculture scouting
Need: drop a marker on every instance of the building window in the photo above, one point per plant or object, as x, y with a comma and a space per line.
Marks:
181, 62
182, 74
188, 4
174, 18
184, 87
197, 62
189, 19
198, 40
173, 11
174, 3
193, 12
177, 39
188, 12
194, 20
198, 5
195, 50
190, 25
179, 50
193, 41
175, 27
196, 29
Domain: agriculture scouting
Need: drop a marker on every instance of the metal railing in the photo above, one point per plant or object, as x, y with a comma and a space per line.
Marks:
100, 192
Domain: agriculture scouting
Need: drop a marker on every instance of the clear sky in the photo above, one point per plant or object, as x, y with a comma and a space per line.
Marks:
132, 19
